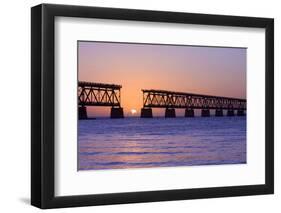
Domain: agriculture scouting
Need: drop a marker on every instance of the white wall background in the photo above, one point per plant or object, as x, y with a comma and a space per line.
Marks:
15, 105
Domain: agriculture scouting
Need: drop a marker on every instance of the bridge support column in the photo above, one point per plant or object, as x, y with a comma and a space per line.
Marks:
170, 113
189, 113
117, 112
82, 112
205, 113
230, 112
146, 113
240, 113
219, 112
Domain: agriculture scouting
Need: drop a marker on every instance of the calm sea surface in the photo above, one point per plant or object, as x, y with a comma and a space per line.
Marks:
158, 142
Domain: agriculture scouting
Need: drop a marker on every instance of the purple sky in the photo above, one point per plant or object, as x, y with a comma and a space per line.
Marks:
195, 69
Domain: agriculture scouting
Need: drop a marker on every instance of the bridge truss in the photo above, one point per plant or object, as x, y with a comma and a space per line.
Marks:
169, 99
98, 94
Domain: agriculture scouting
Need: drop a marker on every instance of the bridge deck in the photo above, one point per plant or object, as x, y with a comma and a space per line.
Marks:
98, 85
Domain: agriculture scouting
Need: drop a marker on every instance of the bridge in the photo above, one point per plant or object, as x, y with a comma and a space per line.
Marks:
99, 94
189, 101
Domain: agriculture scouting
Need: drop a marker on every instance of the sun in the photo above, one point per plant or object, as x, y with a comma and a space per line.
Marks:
133, 111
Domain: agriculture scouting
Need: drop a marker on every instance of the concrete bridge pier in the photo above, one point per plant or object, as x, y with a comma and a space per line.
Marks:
146, 113
116, 112
230, 112
205, 113
219, 112
240, 112
170, 113
189, 112
82, 112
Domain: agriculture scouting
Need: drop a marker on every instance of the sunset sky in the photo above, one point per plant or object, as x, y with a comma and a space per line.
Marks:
205, 70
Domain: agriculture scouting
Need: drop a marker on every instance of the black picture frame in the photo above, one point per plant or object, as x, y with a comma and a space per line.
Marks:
43, 117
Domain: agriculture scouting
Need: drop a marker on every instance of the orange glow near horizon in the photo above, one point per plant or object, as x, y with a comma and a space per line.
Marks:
204, 70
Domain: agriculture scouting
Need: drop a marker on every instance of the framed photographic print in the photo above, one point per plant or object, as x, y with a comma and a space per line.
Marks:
139, 106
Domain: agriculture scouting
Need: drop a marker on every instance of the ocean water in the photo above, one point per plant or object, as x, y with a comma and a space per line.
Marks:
160, 142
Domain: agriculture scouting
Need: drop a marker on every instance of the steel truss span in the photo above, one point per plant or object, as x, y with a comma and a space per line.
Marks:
170, 99
98, 94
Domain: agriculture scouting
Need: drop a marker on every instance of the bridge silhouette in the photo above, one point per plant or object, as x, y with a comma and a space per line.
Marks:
189, 101
99, 94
